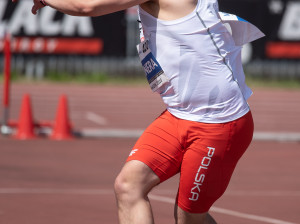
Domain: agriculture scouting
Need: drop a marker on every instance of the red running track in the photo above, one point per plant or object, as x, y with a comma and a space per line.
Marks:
61, 182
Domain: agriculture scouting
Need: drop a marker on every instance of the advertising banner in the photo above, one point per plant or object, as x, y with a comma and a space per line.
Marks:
51, 32
278, 19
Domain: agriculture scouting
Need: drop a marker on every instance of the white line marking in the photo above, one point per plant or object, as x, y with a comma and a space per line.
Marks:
135, 133
263, 193
96, 118
277, 136
54, 191
227, 212
162, 191
111, 133
151, 196
249, 216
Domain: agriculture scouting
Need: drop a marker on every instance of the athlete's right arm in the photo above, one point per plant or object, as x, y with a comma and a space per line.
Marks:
86, 7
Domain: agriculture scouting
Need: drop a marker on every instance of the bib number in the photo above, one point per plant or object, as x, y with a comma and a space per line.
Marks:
154, 73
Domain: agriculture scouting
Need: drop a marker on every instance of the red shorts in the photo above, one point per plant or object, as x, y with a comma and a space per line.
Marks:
204, 154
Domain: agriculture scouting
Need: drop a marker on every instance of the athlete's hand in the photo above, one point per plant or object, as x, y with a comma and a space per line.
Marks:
37, 5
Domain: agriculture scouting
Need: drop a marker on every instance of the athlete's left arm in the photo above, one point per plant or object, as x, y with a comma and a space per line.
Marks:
85, 7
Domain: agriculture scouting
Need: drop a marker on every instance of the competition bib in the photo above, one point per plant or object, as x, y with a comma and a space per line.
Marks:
154, 73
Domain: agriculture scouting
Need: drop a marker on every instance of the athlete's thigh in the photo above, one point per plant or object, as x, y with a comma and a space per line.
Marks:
159, 147
199, 176
209, 162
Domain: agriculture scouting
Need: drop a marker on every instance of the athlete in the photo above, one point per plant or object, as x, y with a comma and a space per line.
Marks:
193, 60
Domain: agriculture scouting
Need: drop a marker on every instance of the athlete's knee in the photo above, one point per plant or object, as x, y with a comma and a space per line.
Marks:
128, 189
134, 182
123, 188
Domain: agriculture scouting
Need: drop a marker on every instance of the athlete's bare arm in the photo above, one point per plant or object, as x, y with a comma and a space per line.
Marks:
162, 9
86, 7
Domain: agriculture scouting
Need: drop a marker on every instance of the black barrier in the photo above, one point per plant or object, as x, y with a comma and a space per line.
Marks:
51, 32
278, 19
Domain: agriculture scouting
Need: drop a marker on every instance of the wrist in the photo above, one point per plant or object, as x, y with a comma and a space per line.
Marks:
43, 2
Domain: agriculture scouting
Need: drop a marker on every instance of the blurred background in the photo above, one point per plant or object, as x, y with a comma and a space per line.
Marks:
71, 181
52, 44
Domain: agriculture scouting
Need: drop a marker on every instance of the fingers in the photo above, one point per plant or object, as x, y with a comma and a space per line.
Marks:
34, 9
37, 6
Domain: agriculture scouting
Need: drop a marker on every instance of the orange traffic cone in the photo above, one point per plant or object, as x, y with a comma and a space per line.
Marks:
62, 127
25, 124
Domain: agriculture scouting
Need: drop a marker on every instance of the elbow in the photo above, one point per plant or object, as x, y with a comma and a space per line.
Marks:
85, 8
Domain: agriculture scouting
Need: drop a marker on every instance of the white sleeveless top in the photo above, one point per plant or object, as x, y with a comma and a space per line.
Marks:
203, 65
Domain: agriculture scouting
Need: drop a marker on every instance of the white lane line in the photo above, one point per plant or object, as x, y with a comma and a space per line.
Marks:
162, 191
263, 193
54, 191
111, 133
277, 136
91, 116
135, 133
249, 216
151, 196
227, 212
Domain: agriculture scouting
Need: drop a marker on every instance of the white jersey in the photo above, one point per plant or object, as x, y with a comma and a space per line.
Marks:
202, 63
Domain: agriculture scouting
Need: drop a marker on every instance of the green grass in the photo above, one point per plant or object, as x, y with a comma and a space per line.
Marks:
273, 83
105, 79
95, 78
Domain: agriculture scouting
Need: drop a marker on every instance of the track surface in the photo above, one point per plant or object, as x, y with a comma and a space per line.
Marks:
46, 182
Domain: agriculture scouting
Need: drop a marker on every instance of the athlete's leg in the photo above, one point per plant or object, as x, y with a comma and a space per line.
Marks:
198, 188
155, 157
131, 188
183, 217
208, 165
